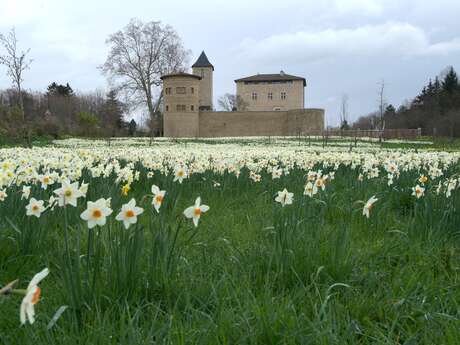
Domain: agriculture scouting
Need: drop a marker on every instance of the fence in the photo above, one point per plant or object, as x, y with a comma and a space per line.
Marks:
403, 133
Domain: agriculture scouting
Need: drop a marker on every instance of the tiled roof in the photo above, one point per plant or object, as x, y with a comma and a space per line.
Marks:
272, 77
203, 61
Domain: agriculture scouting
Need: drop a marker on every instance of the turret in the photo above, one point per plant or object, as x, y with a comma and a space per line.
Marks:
204, 69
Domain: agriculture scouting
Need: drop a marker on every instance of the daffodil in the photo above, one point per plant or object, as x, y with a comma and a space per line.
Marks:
68, 193
180, 173
194, 212
125, 189
3, 195
46, 181
32, 296
25, 192
158, 196
284, 197
35, 208
423, 179
368, 206
129, 212
96, 213
310, 189
418, 191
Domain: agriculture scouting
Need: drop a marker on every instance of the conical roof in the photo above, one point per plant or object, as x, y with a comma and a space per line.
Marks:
203, 61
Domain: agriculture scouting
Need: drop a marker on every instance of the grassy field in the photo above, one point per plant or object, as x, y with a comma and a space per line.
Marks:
254, 270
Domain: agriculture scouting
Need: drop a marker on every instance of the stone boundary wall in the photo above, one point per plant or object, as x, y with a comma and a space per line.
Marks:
210, 124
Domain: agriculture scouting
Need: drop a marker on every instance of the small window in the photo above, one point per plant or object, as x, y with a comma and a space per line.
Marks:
254, 96
283, 95
168, 91
192, 90
192, 108
167, 108
270, 95
180, 107
180, 90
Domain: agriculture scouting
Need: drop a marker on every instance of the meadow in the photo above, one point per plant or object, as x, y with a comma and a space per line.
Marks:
247, 241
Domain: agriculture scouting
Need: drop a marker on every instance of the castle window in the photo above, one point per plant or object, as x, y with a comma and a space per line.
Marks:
180, 107
167, 108
180, 90
254, 96
192, 90
283, 95
168, 91
270, 95
192, 108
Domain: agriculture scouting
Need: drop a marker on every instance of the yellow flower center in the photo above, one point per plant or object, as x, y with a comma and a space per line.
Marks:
129, 214
159, 199
68, 193
97, 214
35, 208
46, 180
180, 173
197, 211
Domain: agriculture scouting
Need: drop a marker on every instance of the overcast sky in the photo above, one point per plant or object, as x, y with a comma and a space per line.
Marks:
339, 46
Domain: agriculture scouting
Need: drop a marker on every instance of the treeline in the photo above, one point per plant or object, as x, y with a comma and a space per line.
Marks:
59, 112
436, 110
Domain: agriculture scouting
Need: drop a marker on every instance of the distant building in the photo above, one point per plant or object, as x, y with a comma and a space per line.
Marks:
266, 92
275, 105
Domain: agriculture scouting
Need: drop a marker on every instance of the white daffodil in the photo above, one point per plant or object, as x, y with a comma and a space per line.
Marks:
158, 196
368, 206
84, 188
33, 292
35, 208
46, 181
320, 183
3, 195
180, 173
194, 212
284, 197
25, 192
310, 189
418, 191
276, 172
129, 212
68, 193
96, 213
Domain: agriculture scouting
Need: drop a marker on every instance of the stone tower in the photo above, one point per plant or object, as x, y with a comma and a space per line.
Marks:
204, 69
181, 102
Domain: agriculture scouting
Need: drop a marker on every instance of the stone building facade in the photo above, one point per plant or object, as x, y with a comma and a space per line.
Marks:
268, 92
188, 106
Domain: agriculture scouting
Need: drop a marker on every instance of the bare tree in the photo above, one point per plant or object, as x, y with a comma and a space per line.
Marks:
16, 63
230, 102
382, 104
139, 55
344, 112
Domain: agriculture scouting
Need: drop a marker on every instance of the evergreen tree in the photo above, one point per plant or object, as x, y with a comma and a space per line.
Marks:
132, 127
55, 89
113, 112
450, 82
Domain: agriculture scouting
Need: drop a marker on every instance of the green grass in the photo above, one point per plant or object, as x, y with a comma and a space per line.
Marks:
315, 272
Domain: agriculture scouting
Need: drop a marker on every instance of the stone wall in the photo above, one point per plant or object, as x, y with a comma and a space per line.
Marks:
237, 124
181, 125
246, 123
301, 121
